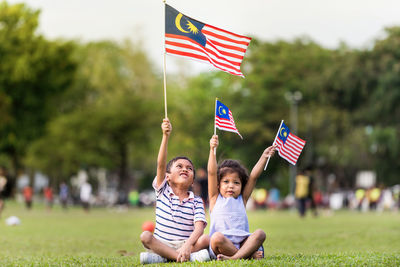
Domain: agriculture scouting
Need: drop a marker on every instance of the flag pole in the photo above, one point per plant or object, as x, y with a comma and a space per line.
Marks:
215, 125
273, 144
215, 114
165, 78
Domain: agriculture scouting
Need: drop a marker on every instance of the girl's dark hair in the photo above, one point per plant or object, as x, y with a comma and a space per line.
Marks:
231, 166
172, 161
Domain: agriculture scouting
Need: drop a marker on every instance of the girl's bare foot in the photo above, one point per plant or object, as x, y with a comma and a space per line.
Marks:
222, 257
258, 255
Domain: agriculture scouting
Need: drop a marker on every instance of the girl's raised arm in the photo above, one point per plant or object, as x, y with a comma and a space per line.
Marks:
212, 172
256, 172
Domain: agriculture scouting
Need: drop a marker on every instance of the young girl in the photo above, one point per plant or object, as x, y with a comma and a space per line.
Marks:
229, 188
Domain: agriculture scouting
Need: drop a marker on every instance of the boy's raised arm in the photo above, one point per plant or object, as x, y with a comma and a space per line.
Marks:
212, 171
162, 153
256, 172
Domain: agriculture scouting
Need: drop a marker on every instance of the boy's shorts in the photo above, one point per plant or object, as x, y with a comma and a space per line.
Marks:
172, 244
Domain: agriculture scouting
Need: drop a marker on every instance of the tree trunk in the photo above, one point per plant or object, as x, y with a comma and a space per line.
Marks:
123, 167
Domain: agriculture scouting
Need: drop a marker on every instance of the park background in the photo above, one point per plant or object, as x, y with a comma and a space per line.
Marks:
68, 105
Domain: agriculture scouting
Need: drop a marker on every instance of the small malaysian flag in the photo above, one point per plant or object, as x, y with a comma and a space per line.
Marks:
224, 119
196, 40
289, 145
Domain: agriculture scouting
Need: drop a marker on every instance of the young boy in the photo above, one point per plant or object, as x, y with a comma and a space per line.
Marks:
180, 216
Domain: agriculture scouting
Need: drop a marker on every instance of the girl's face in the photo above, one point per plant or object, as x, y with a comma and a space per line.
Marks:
230, 185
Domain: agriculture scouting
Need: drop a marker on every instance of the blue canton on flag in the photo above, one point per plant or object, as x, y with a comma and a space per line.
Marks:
178, 24
222, 111
283, 133
224, 119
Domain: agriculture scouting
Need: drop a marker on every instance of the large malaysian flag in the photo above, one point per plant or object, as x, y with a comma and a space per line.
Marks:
196, 40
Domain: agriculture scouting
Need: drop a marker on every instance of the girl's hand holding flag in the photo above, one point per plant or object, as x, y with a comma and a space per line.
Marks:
269, 151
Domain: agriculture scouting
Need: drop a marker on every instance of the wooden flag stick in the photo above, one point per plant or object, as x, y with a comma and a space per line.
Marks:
273, 144
165, 77
165, 88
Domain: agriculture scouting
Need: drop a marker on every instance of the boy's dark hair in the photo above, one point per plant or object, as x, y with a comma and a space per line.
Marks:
231, 166
172, 161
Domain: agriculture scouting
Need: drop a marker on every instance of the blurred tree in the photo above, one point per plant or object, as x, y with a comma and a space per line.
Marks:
381, 110
337, 86
108, 114
33, 74
274, 71
257, 102
191, 111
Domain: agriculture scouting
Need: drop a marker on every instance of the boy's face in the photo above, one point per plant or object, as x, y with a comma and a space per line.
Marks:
181, 173
230, 185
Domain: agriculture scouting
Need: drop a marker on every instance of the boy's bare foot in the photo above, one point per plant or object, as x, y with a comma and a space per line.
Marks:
222, 257
258, 255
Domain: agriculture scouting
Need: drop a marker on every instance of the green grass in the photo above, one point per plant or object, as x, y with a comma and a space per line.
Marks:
73, 238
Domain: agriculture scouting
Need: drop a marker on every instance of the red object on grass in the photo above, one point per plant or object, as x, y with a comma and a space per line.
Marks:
148, 226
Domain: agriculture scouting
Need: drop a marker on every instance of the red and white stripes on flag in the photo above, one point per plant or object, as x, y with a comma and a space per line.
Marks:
222, 49
289, 145
226, 125
291, 149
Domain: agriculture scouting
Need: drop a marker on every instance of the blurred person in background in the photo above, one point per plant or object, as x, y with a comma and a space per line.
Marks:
48, 196
85, 193
318, 198
360, 195
260, 197
273, 198
28, 196
3, 182
373, 194
304, 191
387, 201
63, 195
311, 191
200, 185
396, 197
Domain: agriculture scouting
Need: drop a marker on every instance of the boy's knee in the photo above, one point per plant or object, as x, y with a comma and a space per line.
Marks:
146, 238
201, 243
204, 240
260, 235
217, 239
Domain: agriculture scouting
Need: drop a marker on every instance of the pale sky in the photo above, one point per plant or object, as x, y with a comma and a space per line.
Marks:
327, 22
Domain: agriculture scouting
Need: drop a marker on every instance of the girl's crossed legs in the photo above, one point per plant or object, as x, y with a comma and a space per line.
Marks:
224, 249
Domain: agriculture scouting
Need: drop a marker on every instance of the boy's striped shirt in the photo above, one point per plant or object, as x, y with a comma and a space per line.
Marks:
174, 219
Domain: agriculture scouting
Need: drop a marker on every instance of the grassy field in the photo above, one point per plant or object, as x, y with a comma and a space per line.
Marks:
73, 238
